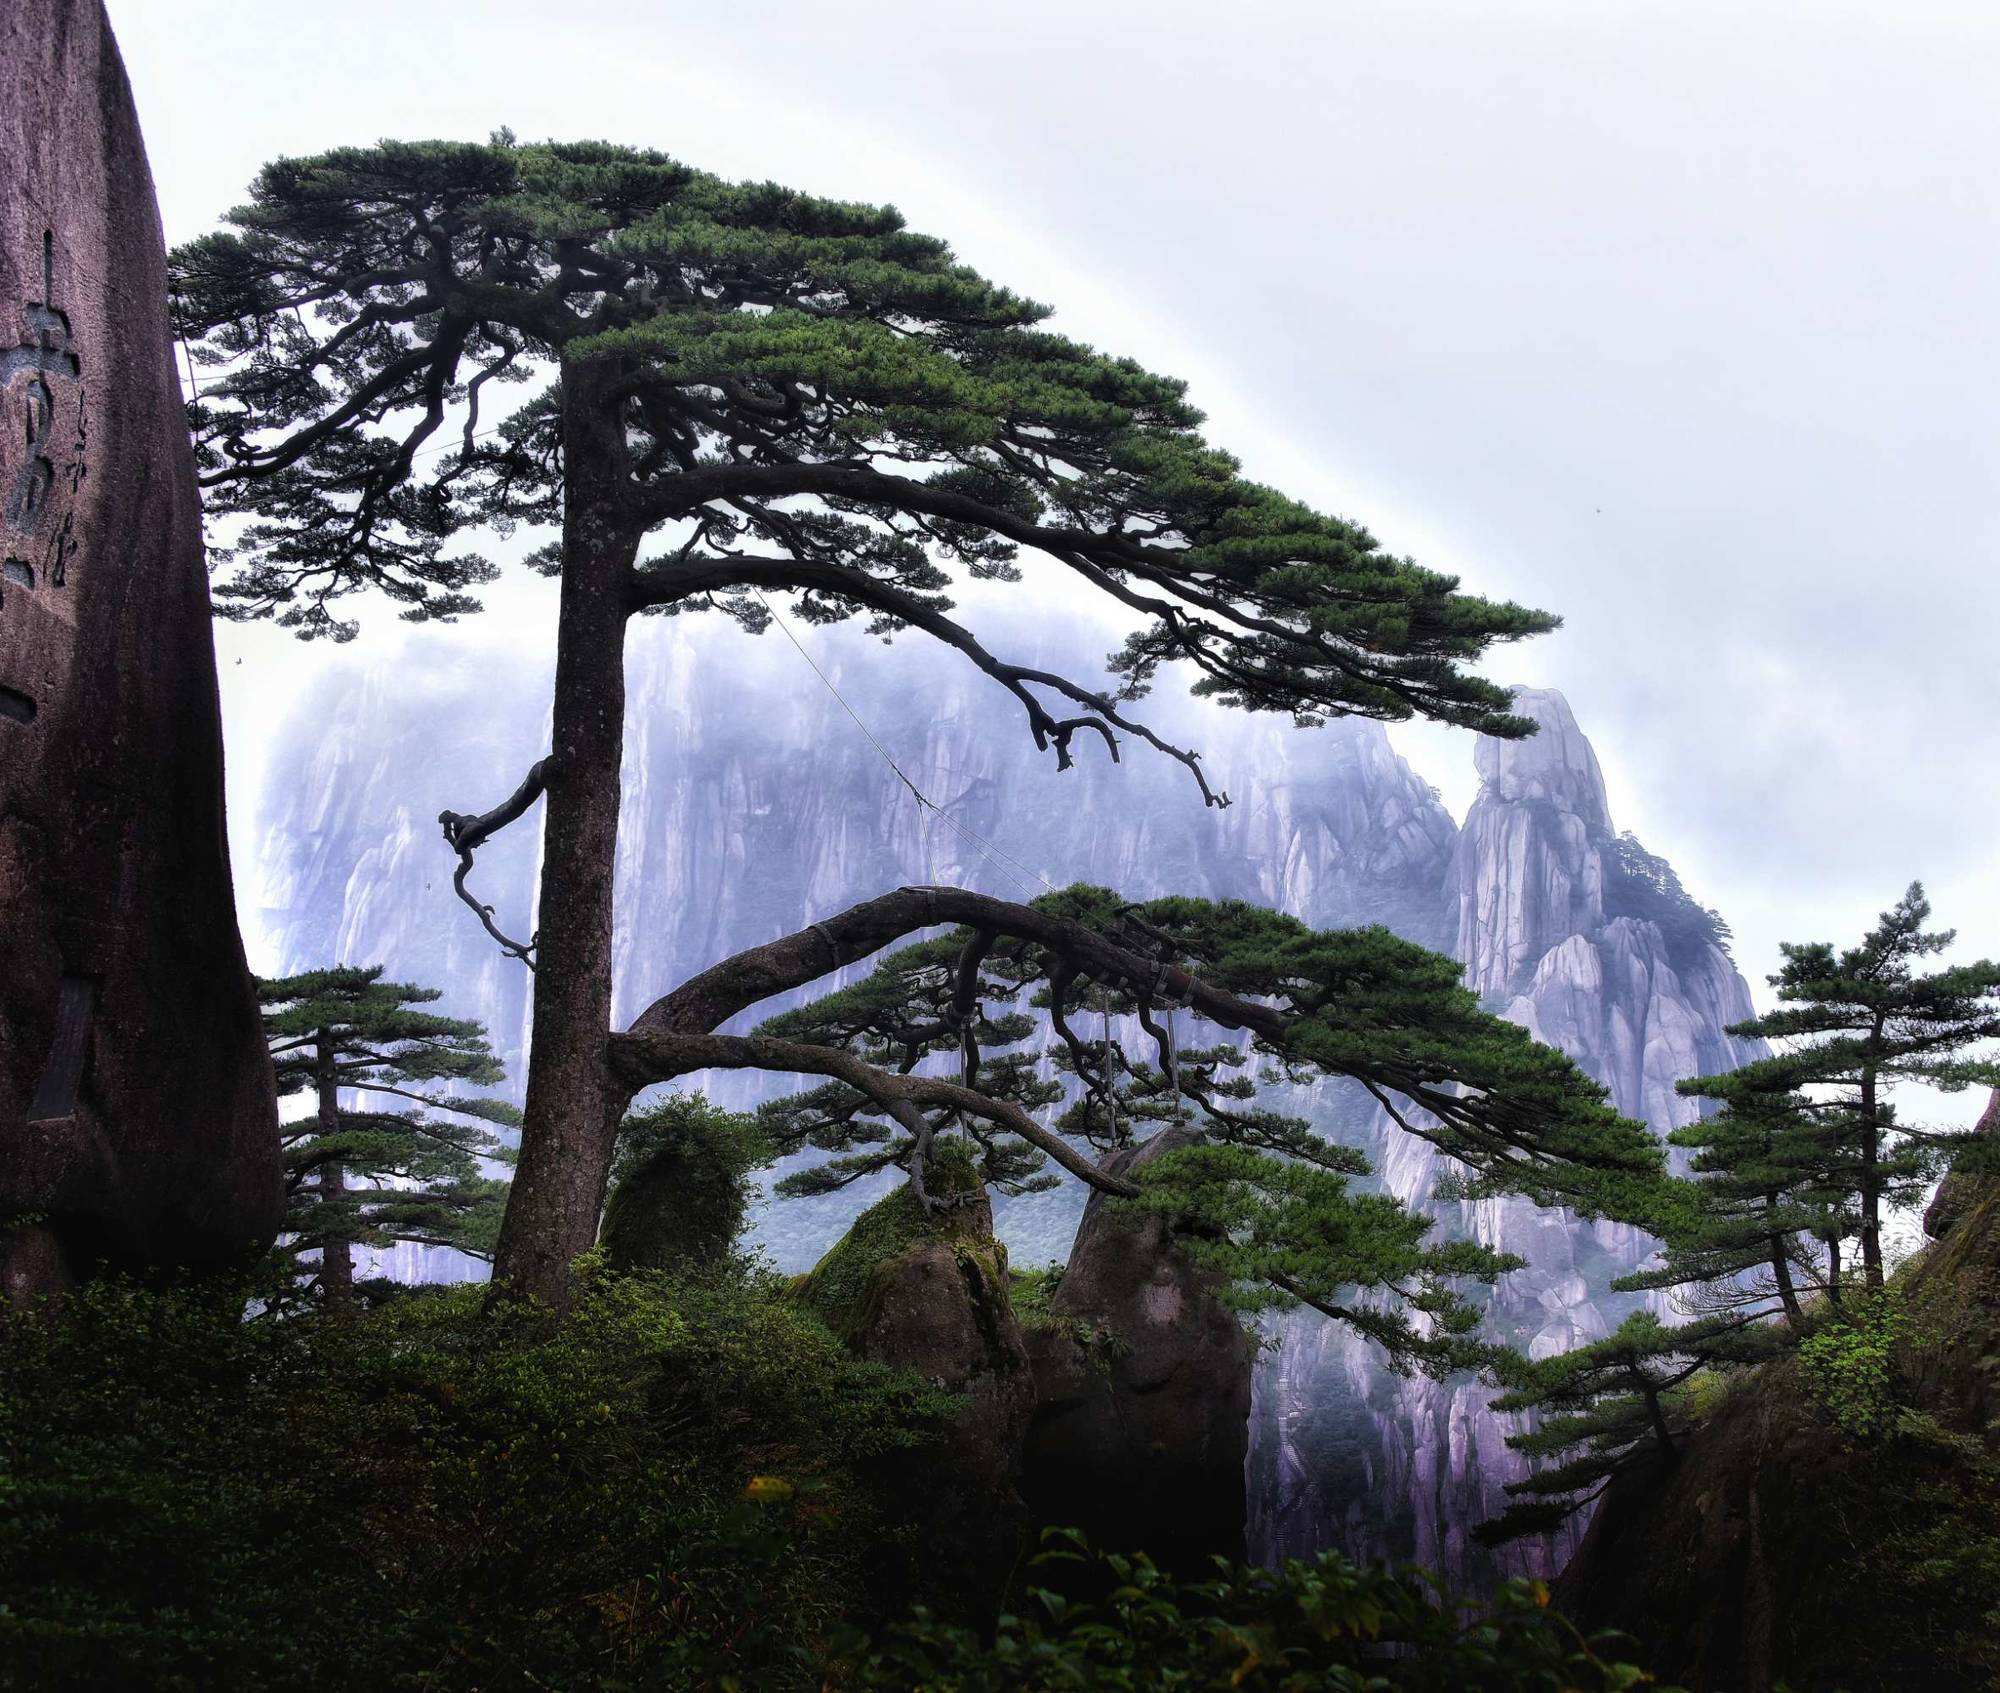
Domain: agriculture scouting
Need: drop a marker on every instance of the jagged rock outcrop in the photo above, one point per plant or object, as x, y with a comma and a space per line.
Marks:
137, 1120
1560, 932
741, 825
1779, 1550
1142, 1381
1960, 1189
930, 1293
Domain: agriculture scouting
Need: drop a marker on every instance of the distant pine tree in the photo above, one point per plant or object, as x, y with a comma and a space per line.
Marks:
1614, 1405
358, 1177
1641, 884
1775, 1176
1852, 1026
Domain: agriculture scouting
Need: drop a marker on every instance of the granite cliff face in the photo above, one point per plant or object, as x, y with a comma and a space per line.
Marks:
744, 823
1540, 900
137, 1120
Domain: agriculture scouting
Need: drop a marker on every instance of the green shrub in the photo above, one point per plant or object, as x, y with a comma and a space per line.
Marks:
1324, 1624
680, 1185
1032, 1292
678, 1483
684, 1483
1849, 1366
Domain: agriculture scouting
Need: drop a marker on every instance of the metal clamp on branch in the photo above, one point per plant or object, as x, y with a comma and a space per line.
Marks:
466, 832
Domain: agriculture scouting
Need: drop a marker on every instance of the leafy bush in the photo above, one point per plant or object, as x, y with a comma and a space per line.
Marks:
1324, 1624
1033, 1290
684, 1483
680, 1185
1849, 1366
678, 1483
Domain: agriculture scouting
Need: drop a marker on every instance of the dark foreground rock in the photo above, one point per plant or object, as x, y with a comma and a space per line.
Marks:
1959, 1192
136, 1114
931, 1294
1780, 1551
1142, 1377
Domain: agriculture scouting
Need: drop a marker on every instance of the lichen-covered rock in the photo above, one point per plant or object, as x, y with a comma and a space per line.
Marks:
1960, 1189
1142, 1379
929, 1292
137, 1120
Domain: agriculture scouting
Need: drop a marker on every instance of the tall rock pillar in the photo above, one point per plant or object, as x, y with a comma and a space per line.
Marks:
137, 1122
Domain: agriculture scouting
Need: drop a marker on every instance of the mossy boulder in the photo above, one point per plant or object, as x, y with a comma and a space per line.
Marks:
1142, 1377
928, 1291
680, 1186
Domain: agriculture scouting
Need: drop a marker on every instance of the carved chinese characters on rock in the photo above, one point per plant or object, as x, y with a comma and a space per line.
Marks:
137, 1124
43, 462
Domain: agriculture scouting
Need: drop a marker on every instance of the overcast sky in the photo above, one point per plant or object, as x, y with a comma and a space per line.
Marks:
1676, 319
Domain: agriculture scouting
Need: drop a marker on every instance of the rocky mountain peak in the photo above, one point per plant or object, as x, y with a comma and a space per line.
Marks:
1555, 763
1527, 871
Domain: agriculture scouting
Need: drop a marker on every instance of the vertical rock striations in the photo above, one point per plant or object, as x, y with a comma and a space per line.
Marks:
1545, 903
137, 1120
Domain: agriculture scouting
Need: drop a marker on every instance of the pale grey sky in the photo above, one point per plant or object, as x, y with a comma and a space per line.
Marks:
1678, 319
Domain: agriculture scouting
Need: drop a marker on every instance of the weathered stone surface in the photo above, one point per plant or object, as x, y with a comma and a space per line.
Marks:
1143, 1387
136, 1112
1397, 1468
931, 1294
1779, 1552
1960, 1190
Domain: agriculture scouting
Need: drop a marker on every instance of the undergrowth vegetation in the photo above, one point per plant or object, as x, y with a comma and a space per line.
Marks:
1320, 1624
681, 1482
687, 1482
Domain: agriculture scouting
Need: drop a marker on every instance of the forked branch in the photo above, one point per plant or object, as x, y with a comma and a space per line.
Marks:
466, 832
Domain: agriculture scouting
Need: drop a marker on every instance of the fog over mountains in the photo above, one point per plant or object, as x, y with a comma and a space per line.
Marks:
743, 821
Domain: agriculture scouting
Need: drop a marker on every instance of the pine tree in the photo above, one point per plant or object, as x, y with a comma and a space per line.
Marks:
1137, 996
1773, 1178
362, 1176
1853, 1026
786, 395
1610, 1407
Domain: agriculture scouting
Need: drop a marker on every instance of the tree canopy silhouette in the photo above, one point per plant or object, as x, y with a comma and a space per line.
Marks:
775, 393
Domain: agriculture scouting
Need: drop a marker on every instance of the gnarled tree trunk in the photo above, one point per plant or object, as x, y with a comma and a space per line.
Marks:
574, 1104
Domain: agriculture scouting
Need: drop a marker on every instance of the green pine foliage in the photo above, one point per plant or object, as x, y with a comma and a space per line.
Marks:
369, 306
1772, 1177
1810, 1138
1280, 1215
411, 1162
1610, 1407
1641, 884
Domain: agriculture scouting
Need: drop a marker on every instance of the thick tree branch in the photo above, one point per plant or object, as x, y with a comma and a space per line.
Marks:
661, 1056
664, 584
465, 833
